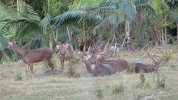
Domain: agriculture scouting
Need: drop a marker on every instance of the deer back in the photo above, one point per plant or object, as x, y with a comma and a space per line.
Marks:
144, 67
31, 56
37, 55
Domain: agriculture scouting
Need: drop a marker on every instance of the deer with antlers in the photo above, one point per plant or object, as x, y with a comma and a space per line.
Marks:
98, 66
148, 67
32, 56
66, 51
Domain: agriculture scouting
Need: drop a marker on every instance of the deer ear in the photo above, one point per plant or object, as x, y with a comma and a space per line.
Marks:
58, 46
10, 43
13, 41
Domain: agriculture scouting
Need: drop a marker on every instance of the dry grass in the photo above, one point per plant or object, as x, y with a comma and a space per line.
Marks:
42, 86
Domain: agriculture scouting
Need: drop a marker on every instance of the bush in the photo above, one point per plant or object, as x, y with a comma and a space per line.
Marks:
160, 81
168, 55
18, 77
99, 93
72, 72
131, 68
143, 83
142, 78
117, 88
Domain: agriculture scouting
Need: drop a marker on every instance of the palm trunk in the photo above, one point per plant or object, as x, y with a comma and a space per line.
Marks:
51, 41
127, 35
18, 8
177, 31
5, 55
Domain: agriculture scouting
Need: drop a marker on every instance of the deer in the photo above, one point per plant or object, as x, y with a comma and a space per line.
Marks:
98, 66
32, 56
148, 67
66, 51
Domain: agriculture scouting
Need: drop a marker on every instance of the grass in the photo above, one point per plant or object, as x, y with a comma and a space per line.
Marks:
42, 86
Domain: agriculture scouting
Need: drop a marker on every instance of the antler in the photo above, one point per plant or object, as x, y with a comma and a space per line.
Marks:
151, 57
69, 34
155, 62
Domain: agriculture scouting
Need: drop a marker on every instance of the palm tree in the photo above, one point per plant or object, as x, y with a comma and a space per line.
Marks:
24, 23
152, 13
173, 5
113, 13
55, 24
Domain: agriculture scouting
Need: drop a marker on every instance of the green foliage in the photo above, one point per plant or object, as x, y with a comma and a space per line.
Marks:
161, 81
168, 55
99, 93
117, 88
3, 42
72, 72
142, 78
131, 68
74, 16
1, 62
160, 7
18, 76
143, 83
127, 9
140, 43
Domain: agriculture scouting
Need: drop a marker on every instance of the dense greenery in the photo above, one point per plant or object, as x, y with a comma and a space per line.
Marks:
41, 23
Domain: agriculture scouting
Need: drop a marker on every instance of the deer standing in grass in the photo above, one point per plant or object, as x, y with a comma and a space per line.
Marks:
32, 56
98, 66
148, 67
66, 51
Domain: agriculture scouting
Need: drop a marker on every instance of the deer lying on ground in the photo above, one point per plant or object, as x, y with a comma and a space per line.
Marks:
32, 56
148, 67
98, 66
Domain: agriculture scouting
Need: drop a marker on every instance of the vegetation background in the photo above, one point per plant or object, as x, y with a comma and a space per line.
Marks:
127, 24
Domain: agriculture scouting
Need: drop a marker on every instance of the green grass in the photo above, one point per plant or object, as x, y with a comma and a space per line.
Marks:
41, 86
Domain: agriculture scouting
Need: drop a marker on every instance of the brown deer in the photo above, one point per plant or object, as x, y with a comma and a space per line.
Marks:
66, 50
98, 66
65, 53
148, 67
32, 56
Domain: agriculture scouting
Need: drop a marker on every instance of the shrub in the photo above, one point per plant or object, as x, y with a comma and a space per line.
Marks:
160, 81
131, 68
18, 77
143, 83
118, 88
168, 55
99, 93
72, 72
142, 78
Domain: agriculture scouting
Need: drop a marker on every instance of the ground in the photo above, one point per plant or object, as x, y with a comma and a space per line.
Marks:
58, 86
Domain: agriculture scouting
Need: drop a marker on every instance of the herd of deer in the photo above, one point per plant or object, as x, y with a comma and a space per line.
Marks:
95, 62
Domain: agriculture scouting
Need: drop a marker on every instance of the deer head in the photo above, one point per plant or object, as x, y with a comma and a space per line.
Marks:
11, 43
156, 63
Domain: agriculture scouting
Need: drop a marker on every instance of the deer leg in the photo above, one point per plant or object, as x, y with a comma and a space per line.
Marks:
31, 67
51, 65
70, 62
62, 64
27, 68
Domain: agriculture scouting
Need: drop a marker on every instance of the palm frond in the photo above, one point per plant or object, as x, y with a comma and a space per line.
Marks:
3, 42
9, 22
159, 7
45, 22
127, 9
72, 16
